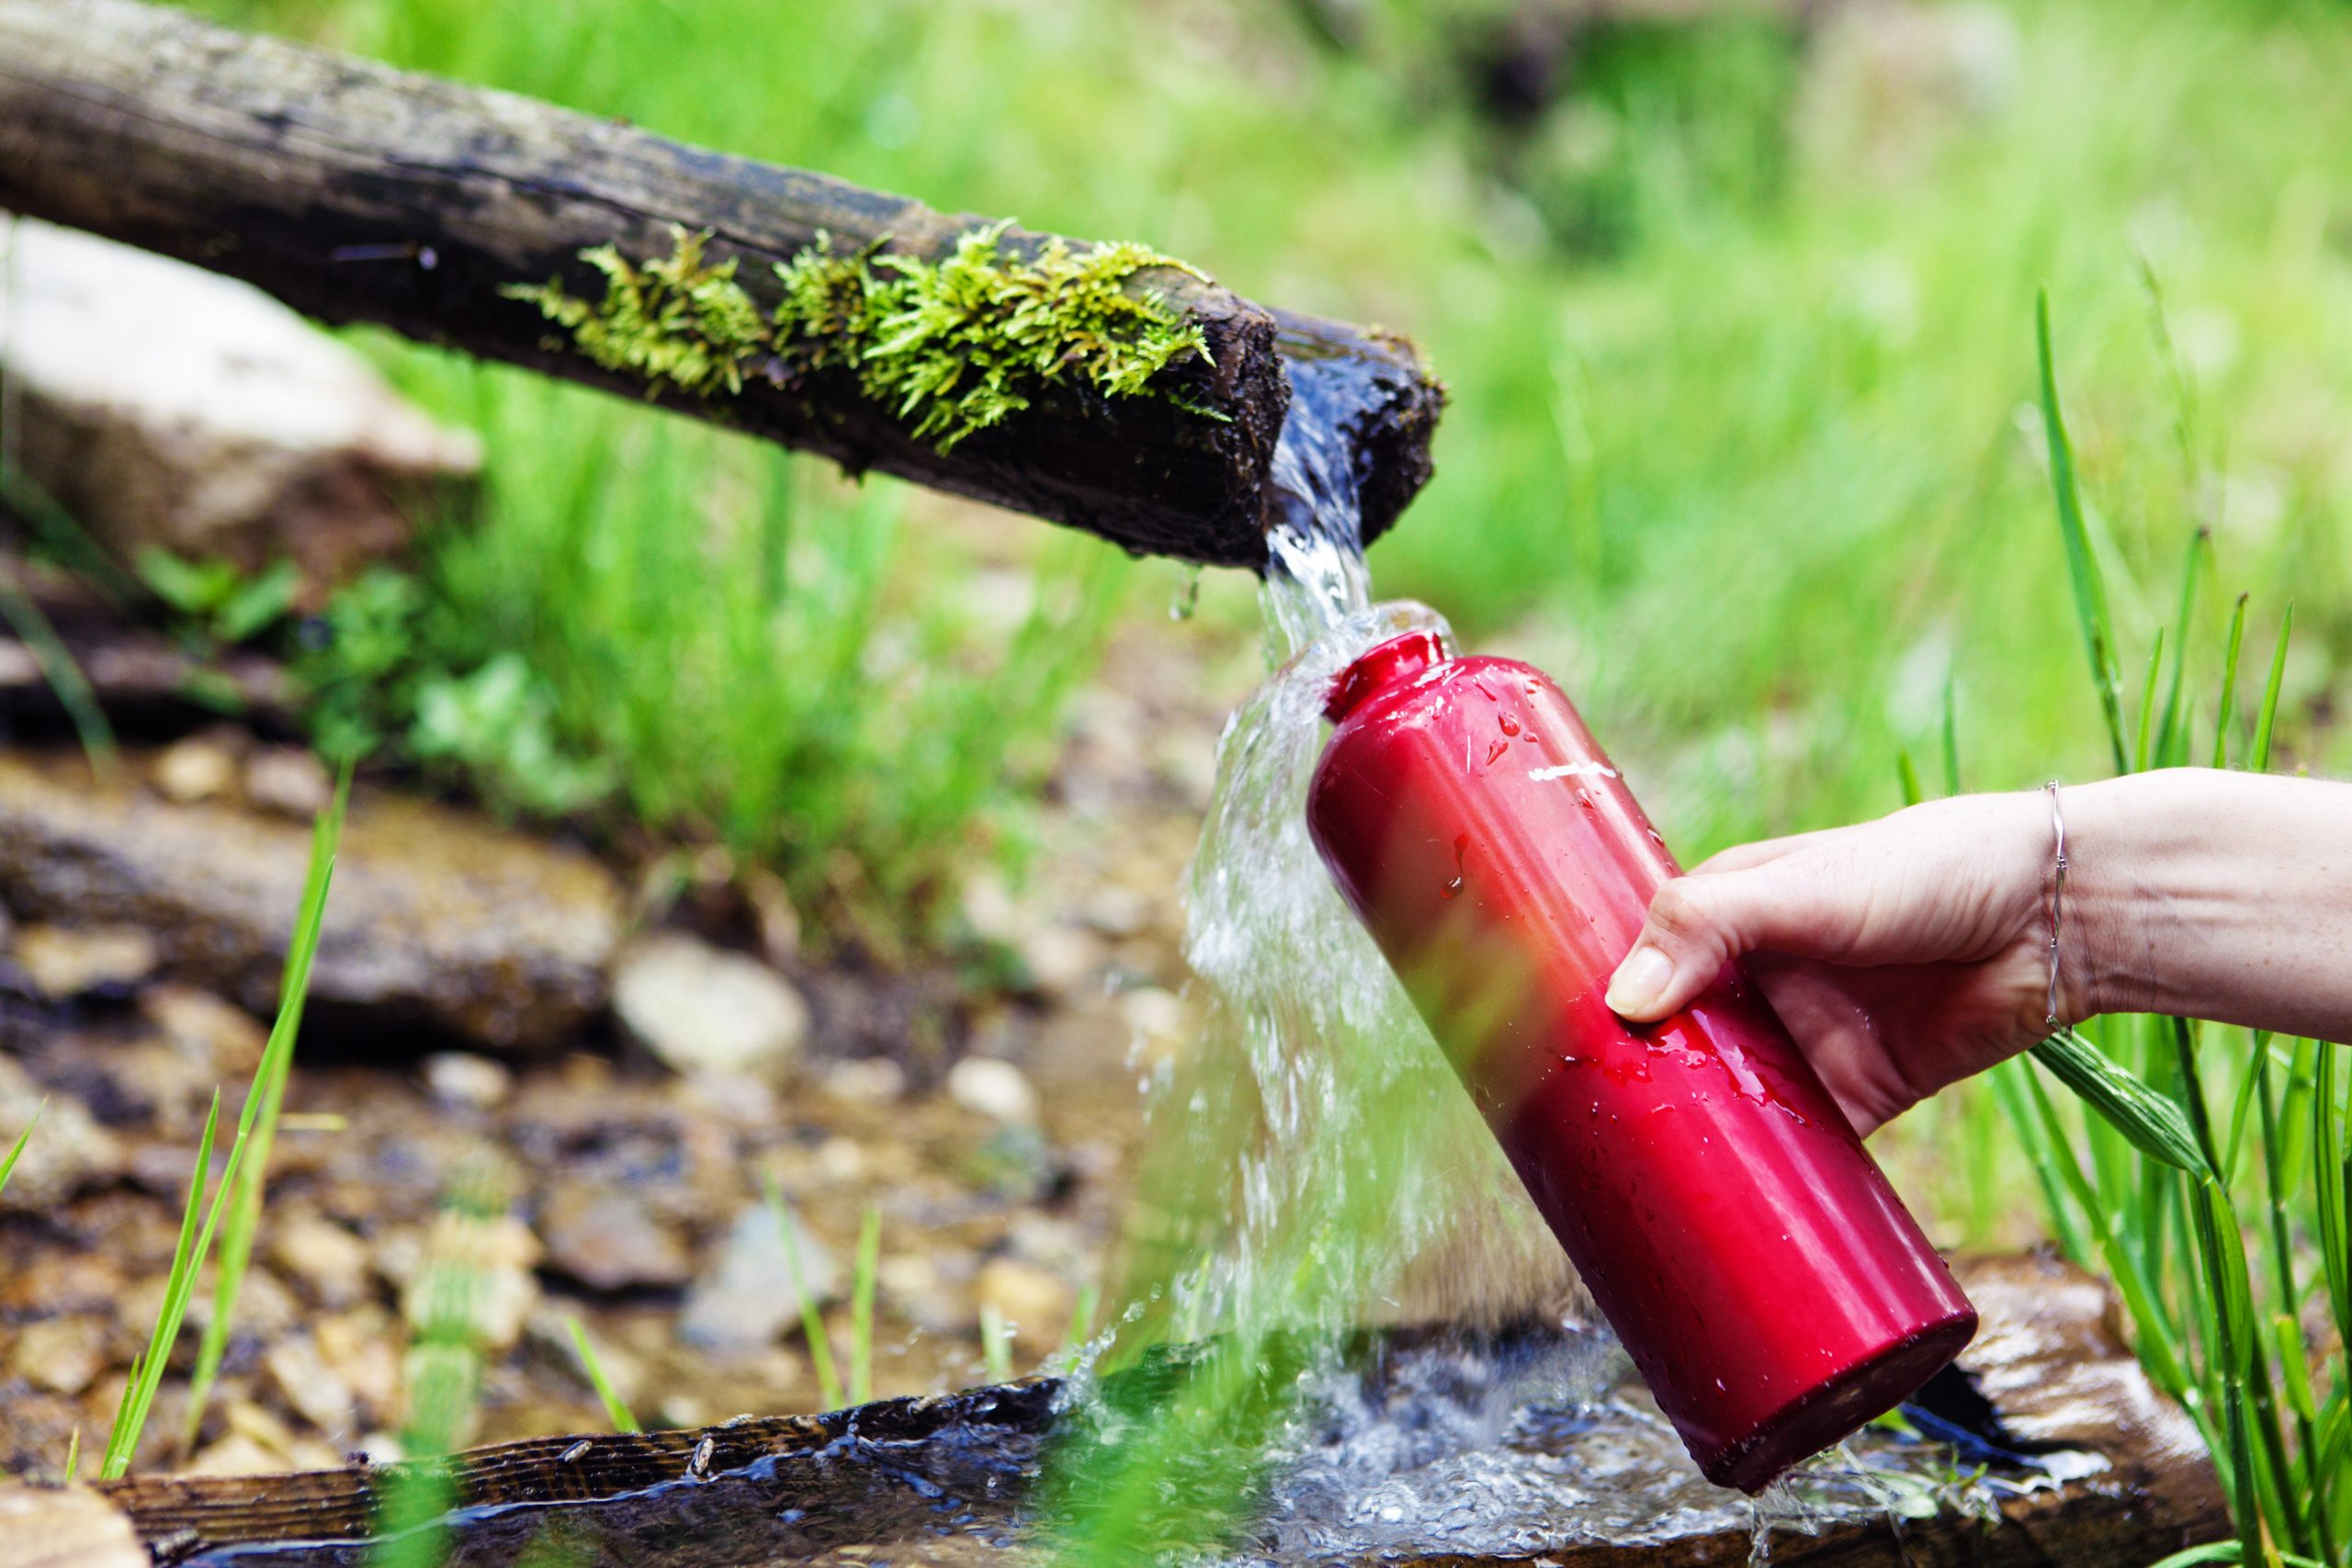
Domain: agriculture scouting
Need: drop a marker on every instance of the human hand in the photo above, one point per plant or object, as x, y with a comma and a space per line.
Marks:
1904, 954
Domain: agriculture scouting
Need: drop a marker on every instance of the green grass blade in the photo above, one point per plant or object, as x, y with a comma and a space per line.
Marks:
996, 1343
812, 1321
1951, 734
64, 676
2082, 568
2334, 1210
2148, 704
861, 1306
264, 1100
187, 1258
2172, 730
1906, 776
2260, 761
2229, 685
2153, 1122
617, 1410
16, 1150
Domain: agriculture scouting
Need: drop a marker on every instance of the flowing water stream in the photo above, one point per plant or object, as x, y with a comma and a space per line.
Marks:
1348, 1337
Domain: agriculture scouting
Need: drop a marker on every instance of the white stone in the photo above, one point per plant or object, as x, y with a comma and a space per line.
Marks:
996, 1089
702, 1009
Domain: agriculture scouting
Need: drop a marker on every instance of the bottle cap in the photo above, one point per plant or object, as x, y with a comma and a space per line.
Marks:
1399, 659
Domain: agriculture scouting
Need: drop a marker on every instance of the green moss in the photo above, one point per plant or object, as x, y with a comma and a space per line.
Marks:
950, 346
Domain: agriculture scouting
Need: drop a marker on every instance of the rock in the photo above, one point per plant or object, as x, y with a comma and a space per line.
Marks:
289, 780
866, 1081
74, 1527
701, 1008
329, 1260
996, 1089
221, 1033
608, 1242
435, 914
63, 1355
460, 1078
312, 1388
68, 1154
362, 1349
1060, 957
494, 1256
199, 768
164, 405
237, 1454
1036, 1305
745, 1298
65, 961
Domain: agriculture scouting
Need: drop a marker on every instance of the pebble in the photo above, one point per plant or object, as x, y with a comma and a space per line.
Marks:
311, 1387
67, 1153
1060, 957
867, 1080
197, 769
63, 1355
289, 780
228, 1037
993, 1089
1038, 1304
608, 1242
463, 1078
65, 961
499, 1253
330, 1260
745, 1298
702, 1009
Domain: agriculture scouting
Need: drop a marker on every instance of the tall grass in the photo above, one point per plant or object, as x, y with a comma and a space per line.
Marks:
2153, 1186
238, 1193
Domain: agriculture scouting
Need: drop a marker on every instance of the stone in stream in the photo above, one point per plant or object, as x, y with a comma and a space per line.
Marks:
65, 961
747, 1295
68, 1154
436, 916
166, 406
607, 1241
704, 1010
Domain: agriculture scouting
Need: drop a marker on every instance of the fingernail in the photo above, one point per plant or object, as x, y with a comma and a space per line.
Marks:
1639, 981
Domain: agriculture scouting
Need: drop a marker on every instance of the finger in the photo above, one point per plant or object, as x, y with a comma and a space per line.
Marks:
1763, 851
1698, 924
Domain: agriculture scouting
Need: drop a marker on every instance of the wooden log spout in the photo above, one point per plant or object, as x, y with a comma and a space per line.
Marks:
358, 193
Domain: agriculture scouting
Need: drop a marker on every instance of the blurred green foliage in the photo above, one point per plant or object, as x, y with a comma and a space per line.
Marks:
1737, 321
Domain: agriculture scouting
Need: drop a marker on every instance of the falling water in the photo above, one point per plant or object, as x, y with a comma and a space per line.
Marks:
1315, 1170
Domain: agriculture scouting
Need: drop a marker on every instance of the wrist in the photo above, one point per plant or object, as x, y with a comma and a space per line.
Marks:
2126, 838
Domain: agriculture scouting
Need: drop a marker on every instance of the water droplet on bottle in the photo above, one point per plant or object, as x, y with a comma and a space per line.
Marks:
1461, 847
1510, 724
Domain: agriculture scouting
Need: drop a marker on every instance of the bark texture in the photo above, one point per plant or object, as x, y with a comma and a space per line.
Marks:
870, 1481
355, 192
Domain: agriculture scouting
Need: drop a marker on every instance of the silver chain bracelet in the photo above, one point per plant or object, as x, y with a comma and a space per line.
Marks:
2057, 896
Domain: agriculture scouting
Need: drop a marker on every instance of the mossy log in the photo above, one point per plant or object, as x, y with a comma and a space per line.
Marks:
859, 1483
358, 193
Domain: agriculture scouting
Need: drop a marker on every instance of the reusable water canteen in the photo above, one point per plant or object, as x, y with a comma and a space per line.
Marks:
1771, 1289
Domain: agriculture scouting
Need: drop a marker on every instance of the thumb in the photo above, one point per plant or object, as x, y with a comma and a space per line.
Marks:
1697, 924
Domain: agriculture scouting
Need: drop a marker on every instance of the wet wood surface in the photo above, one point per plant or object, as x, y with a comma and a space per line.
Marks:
358, 193
804, 1489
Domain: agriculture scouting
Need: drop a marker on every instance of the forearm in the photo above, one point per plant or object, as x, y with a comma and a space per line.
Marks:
2211, 895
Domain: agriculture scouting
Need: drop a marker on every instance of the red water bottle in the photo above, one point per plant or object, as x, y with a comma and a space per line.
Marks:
1771, 1286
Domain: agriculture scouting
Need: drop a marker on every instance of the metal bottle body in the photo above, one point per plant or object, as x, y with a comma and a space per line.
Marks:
1771, 1286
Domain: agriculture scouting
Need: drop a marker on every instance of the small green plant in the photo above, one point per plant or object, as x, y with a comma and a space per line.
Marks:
238, 1194
265, 1100
812, 1321
996, 1343
218, 602
861, 1306
496, 727
617, 1410
951, 347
